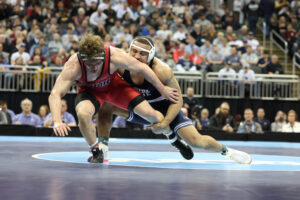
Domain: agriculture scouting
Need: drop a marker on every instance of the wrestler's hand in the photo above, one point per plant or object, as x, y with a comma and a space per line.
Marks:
61, 129
170, 94
160, 128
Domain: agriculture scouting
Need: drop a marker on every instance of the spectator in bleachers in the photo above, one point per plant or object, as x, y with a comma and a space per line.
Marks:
233, 58
204, 119
3, 118
110, 13
243, 34
43, 112
252, 41
235, 41
190, 101
225, 48
174, 27
228, 33
191, 45
179, 52
292, 125
280, 120
4, 108
67, 117
227, 72
43, 47
60, 58
164, 33
180, 34
253, 11
36, 38
205, 48
246, 77
123, 36
282, 25
20, 53
117, 28
4, 54
185, 64
268, 8
249, 126
195, 118
55, 44
295, 4
80, 17
220, 37
223, 121
100, 30
197, 59
249, 57
96, 17
27, 117
69, 37
264, 60
214, 57
265, 123
274, 67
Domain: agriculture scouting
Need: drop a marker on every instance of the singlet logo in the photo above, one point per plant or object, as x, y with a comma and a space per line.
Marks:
101, 84
145, 92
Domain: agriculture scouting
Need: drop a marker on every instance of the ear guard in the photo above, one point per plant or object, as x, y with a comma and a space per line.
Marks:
151, 52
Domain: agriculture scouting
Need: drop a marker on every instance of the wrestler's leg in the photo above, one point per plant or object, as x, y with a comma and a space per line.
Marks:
195, 139
85, 111
145, 110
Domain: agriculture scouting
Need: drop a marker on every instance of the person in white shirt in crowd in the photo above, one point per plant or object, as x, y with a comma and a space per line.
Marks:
249, 126
121, 8
292, 125
178, 23
123, 36
215, 57
249, 57
88, 3
20, 53
26, 116
164, 32
246, 78
225, 48
205, 48
178, 8
252, 41
180, 34
117, 28
219, 39
98, 16
235, 41
279, 122
191, 45
227, 72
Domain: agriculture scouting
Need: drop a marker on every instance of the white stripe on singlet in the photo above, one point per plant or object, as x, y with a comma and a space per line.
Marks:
157, 99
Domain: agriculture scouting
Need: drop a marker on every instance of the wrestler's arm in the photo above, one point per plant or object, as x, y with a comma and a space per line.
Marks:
166, 76
63, 83
122, 60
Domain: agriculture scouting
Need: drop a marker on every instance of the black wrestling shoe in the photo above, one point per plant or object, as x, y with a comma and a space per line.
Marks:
97, 156
184, 149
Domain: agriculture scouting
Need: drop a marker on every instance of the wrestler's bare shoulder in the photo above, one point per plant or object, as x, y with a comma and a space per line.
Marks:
161, 68
72, 68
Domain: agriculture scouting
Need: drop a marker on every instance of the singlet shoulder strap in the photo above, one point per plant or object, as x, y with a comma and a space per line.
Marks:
127, 77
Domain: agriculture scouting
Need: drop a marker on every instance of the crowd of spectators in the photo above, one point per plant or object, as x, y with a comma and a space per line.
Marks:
221, 120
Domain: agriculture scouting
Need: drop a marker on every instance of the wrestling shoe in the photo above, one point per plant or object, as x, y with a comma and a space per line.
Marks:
97, 156
184, 149
238, 156
104, 149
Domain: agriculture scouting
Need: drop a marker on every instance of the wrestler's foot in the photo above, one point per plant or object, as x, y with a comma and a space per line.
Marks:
238, 156
184, 149
97, 156
104, 149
